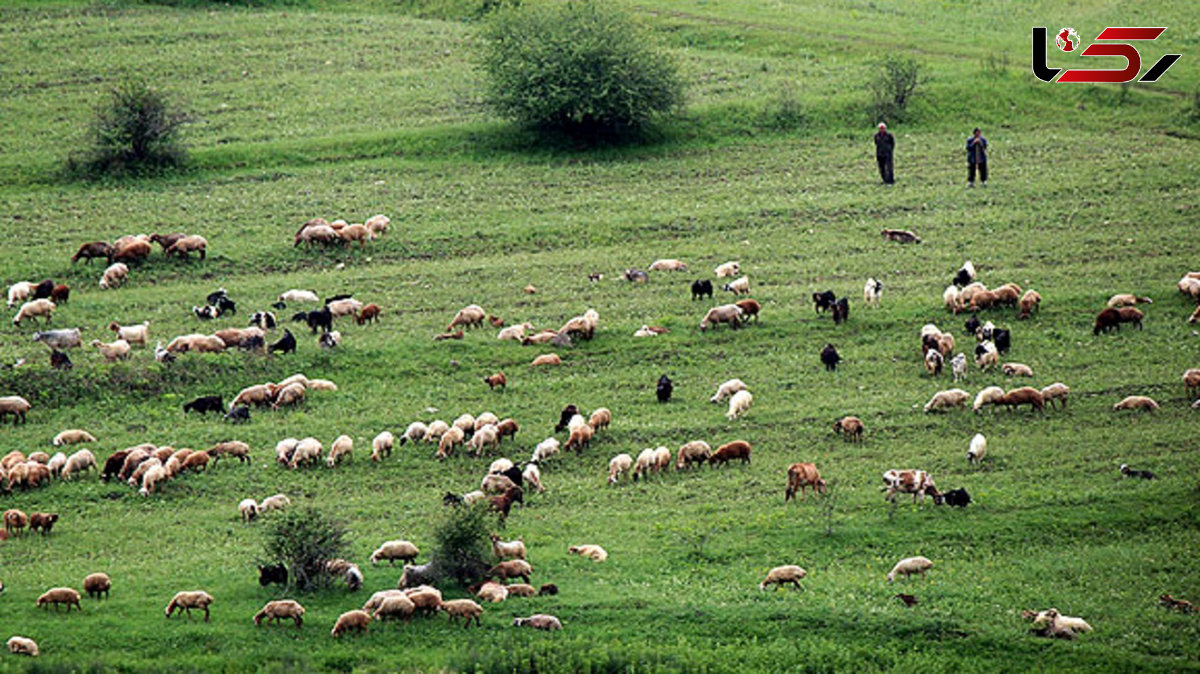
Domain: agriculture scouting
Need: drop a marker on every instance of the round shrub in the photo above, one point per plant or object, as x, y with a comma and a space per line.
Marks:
137, 131
579, 68
304, 540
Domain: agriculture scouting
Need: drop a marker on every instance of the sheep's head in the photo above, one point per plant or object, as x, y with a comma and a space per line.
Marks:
822, 487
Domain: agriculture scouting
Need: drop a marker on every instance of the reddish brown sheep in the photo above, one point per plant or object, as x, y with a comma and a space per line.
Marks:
1026, 395
738, 449
368, 314
495, 380
43, 522
851, 428
801, 475
1109, 319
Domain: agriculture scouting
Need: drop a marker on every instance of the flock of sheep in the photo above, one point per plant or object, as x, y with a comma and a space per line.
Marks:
147, 466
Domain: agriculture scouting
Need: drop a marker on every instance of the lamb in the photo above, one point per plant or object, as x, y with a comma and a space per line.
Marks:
60, 595
830, 357
495, 380
726, 313
992, 395
18, 645
1073, 624
951, 398
696, 451
600, 419
801, 475
952, 299
463, 608
382, 445
276, 502
539, 621
1136, 403
1016, 370
59, 340
508, 549
278, 610
934, 362
114, 276
668, 265
1056, 391
248, 508
1127, 300
617, 465
42, 308
393, 550
308, 450
351, 620
1031, 301
727, 389
851, 428
186, 601
468, 317
19, 292
533, 476
394, 606
1026, 395
15, 521
342, 447
900, 236
492, 592
728, 270
644, 464
908, 566
113, 351
581, 436
977, 450
14, 406
521, 590
738, 287
72, 437
592, 552
450, 439
986, 355
188, 244
513, 568
782, 575
872, 292
738, 404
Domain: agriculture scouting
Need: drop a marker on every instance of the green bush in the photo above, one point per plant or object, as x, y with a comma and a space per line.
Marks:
304, 541
137, 131
461, 549
579, 68
893, 86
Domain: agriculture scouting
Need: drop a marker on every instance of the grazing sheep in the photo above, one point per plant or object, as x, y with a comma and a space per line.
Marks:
276, 502
463, 608
513, 568
1106, 321
39, 457
977, 450
546, 449
726, 313
114, 276
991, 395
1131, 315
1136, 403
394, 606
393, 550
495, 380
186, 601
900, 236
951, 398
738, 404
1143, 474
696, 451
934, 362
851, 428
539, 621
1073, 624
58, 462
468, 317
59, 340
830, 357
16, 406
727, 389
592, 552
292, 394
351, 620
546, 359
738, 449
308, 450
1026, 395
15, 520
42, 308
738, 287
701, 288
418, 431
417, 575
19, 292
18, 645
1127, 300
383, 443
600, 419
952, 299
492, 592
750, 309
188, 244
96, 584
908, 566
248, 508
43, 522
801, 475
72, 437
668, 265
533, 476
450, 439
643, 465
378, 224
153, 476
279, 610
1016, 370
508, 549
617, 465
343, 447
485, 438
782, 575
113, 351
60, 595
633, 276
1031, 301
580, 437
872, 292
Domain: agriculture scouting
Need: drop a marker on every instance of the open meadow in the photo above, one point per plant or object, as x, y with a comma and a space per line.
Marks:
320, 110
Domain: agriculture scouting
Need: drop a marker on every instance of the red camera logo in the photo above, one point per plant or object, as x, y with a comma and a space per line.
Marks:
1067, 40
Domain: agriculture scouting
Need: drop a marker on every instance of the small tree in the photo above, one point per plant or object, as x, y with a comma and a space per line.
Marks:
304, 541
461, 548
137, 131
580, 68
893, 86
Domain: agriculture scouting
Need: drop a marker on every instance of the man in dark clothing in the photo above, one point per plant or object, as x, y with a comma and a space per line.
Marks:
885, 143
976, 158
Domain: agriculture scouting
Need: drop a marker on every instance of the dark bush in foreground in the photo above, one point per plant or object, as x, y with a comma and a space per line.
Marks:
579, 68
461, 547
137, 131
304, 541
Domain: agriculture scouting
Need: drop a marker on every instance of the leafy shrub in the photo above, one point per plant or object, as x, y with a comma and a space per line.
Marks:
461, 547
137, 131
304, 541
893, 86
580, 68
785, 113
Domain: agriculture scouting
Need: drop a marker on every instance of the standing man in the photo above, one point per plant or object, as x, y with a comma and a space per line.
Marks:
976, 158
885, 143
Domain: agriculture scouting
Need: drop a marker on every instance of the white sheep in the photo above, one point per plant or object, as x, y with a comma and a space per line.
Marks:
472, 497
436, 429
508, 549
390, 551
450, 439
514, 332
668, 264
617, 465
79, 462
19, 645
1056, 391
592, 552
728, 270
56, 463
485, 419
738, 287
382, 445
644, 464
73, 436
276, 502
500, 465
738, 404
977, 450
307, 450
152, 478
954, 397
989, 358
134, 334
284, 450
952, 299
872, 292
781, 575
114, 276
727, 389
342, 447
959, 365
546, 449
113, 351
465, 423
248, 508
19, 292
1072, 623
533, 476
298, 296
42, 308
908, 566
991, 395
344, 307
416, 432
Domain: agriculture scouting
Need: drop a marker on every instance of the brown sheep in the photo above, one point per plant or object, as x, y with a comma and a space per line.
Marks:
801, 475
277, 610
166, 240
96, 584
188, 244
463, 608
513, 568
546, 359
468, 317
1107, 320
726, 313
1007, 295
93, 249
1031, 301
43, 522
750, 309
1191, 380
600, 419
60, 595
1026, 395
850, 428
61, 294
356, 620
15, 521
368, 314
507, 428
696, 451
984, 299
1136, 403
196, 461
738, 449
581, 436
132, 251
186, 601
495, 380
1131, 315
233, 448
16, 406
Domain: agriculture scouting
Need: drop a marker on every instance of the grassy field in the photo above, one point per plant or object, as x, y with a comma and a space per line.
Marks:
323, 110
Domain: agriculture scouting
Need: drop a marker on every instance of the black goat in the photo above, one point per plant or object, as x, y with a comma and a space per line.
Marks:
841, 311
665, 388
286, 344
204, 405
957, 497
830, 357
263, 319
1002, 339
335, 298
972, 325
319, 318
1143, 474
272, 573
823, 301
963, 278
60, 361
564, 417
238, 415
701, 289
43, 289
216, 296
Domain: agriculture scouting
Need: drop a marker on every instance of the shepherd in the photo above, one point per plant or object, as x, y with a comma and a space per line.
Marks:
885, 144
